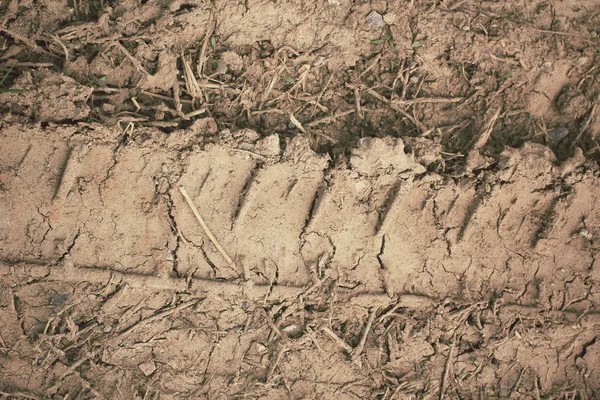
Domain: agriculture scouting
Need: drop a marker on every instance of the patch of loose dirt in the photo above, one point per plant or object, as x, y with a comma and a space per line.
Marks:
403, 199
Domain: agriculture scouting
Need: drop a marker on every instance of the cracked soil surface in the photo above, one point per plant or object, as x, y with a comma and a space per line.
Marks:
407, 209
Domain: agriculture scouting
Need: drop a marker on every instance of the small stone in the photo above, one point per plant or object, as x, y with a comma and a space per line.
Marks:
375, 19
290, 328
148, 367
414, 79
558, 134
60, 299
582, 61
320, 61
259, 348
221, 67
389, 18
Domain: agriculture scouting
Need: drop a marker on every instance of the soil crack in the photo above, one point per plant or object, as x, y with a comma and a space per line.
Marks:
175, 231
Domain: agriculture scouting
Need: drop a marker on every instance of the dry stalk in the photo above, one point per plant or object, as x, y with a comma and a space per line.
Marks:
427, 100
361, 345
191, 83
337, 340
202, 57
212, 238
446, 372
487, 132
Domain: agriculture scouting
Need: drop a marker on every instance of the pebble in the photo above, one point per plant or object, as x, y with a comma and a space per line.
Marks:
389, 18
375, 19
60, 299
548, 66
558, 134
148, 367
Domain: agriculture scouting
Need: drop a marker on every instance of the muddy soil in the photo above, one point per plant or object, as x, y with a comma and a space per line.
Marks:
324, 199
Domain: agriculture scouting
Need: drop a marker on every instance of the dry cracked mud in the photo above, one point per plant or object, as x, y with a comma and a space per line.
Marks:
403, 198
350, 278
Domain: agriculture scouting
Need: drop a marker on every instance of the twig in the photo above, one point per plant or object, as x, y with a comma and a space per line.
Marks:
204, 226
506, 60
357, 102
251, 153
267, 93
453, 155
361, 345
324, 135
202, 57
30, 43
177, 101
87, 385
412, 119
32, 64
18, 394
159, 96
421, 82
457, 4
68, 372
272, 324
136, 63
299, 82
588, 120
405, 79
396, 79
565, 34
268, 111
321, 95
446, 370
330, 118
297, 123
371, 65
194, 113
485, 135
390, 312
337, 340
425, 100
274, 364
158, 316
399, 109
62, 45
191, 83
517, 383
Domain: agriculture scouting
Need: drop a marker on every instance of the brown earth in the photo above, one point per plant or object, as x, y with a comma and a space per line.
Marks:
406, 196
